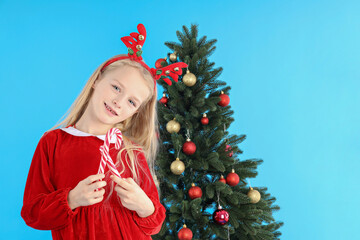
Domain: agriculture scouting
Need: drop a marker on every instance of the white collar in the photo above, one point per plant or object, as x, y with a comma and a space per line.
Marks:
77, 132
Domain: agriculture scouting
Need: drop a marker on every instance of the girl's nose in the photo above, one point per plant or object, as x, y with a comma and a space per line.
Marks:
116, 103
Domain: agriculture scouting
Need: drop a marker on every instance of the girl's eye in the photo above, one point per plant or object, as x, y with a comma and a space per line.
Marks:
115, 87
132, 103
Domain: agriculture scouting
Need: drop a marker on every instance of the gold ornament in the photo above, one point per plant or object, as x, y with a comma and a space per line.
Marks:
189, 79
254, 195
173, 126
141, 37
173, 57
167, 72
138, 47
176, 69
177, 167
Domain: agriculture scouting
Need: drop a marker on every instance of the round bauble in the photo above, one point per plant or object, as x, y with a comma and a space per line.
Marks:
195, 192
221, 216
161, 62
177, 167
232, 178
204, 120
189, 79
173, 57
254, 195
222, 179
189, 147
185, 233
173, 126
164, 99
224, 99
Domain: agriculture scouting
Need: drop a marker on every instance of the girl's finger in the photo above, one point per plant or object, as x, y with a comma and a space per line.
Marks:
99, 193
114, 178
121, 182
130, 180
94, 178
97, 185
120, 191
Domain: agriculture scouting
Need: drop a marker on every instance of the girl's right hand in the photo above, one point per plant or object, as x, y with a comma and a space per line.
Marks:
84, 193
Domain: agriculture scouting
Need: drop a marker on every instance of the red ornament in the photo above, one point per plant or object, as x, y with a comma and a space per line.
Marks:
221, 216
159, 61
204, 120
157, 135
225, 100
164, 99
228, 148
185, 233
195, 192
189, 147
232, 178
222, 179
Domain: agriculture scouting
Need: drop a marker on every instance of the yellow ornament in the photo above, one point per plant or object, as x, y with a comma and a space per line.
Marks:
173, 57
189, 79
254, 195
173, 126
177, 167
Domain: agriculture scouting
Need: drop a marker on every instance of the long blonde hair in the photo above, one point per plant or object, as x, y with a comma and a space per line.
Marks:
139, 131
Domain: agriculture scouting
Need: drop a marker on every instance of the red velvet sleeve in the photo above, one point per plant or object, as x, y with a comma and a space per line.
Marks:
44, 207
152, 224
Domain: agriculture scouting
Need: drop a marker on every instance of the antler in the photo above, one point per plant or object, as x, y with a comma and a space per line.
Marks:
135, 42
173, 70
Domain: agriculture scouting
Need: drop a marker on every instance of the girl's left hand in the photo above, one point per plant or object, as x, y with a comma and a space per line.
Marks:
132, 196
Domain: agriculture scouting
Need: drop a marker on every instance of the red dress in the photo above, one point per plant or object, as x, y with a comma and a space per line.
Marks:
64, 157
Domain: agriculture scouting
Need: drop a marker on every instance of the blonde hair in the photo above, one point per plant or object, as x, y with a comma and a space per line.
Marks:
136, 134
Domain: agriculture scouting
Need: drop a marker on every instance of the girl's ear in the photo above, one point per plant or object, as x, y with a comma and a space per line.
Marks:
93, 85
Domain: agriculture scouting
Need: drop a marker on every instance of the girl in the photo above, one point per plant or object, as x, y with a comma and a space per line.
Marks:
63, 194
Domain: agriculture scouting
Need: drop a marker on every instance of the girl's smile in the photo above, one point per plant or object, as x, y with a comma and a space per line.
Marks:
110, 110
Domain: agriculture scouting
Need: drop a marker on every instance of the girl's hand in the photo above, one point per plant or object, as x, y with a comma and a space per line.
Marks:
132, 196
84, 193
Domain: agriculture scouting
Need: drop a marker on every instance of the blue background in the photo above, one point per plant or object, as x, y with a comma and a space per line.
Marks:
294, 71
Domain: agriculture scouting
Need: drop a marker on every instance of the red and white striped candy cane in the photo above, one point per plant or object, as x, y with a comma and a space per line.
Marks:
104, 150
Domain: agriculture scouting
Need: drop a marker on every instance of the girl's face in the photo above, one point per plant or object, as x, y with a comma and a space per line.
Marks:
117, 96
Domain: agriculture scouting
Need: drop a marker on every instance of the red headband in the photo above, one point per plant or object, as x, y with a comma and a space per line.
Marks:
134, 42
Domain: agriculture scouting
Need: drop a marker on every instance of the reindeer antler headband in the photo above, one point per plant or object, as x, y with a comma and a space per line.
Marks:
135, 42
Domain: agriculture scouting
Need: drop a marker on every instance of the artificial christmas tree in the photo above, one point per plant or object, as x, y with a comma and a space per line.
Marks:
218, 208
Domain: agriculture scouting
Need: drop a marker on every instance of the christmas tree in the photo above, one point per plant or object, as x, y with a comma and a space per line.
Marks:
203, 183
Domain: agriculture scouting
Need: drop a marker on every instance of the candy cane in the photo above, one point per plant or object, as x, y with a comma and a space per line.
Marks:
104, 150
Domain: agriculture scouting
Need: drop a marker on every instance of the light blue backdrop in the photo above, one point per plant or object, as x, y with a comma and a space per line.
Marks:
294, 71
